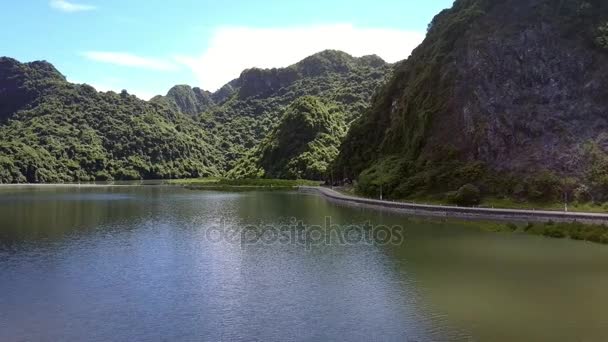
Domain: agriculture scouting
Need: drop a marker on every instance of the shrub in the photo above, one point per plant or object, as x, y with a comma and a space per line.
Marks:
554, 232
582, 194
384, 177
601, 38
468, 195
544, 187
103, 176
451, 196
577, 235
598, 236
127, 174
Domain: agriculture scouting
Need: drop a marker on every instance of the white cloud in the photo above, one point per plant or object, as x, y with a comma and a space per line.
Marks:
233, 49
130, 60
70, 7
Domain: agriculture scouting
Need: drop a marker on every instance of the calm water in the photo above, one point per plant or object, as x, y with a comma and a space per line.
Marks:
138, 263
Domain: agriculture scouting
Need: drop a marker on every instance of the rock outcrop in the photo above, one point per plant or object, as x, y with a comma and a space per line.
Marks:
501, 93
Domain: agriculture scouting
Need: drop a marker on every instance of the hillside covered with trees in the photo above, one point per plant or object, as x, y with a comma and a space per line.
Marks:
504, 97
302, 146
55, 131
247, 109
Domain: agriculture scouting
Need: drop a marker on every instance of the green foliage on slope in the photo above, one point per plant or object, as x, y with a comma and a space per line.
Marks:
475, 103
601, 38
185, 99
261, 96
55, 131
401, 112
301, 147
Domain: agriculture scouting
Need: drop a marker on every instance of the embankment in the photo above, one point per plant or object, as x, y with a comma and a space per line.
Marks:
459, 212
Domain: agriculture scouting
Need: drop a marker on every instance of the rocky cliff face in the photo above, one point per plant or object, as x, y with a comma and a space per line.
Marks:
263, 83
532, 94
499, 91
188, 100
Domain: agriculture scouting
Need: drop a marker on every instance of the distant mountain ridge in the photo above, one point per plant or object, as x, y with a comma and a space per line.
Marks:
55, 131
244, 111
264, 83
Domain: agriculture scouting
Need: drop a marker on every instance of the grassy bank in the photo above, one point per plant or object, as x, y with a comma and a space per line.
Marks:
503, 203
554, 230
559, 230
574, 207
222, 184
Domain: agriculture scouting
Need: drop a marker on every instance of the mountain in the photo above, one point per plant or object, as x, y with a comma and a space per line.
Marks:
21, 85
194, 101
509, 95
55, 131
187, 100
302, 146
251, 106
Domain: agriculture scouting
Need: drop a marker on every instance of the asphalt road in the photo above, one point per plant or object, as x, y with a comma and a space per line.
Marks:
460, 212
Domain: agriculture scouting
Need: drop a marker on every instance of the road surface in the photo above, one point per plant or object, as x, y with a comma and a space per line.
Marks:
460, 212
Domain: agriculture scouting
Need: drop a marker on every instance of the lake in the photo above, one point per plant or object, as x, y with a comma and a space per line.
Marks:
165, 263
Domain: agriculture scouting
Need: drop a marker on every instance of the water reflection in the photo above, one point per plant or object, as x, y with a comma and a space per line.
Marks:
135, 263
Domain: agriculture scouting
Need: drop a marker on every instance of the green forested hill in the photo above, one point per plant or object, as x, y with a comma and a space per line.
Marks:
187, 100
257, 99
54, 131
302, 146
507, 96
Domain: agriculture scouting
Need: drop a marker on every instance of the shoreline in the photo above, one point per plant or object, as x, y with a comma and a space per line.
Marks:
82, 185
420, 210
438, 211
60, 185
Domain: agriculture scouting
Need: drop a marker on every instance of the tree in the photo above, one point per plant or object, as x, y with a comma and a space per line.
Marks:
601, 38
468, 195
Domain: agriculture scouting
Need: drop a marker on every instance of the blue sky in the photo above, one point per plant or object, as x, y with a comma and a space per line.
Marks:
147, 46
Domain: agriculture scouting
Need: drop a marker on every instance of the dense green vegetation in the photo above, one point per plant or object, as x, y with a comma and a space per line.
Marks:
561, 230
419, 139
427, 94
224, 184
602, 36
555, 230
302, 146
54, 131
427, 133
259, 97
183, 98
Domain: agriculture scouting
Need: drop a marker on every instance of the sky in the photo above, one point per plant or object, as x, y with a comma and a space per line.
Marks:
147, 46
